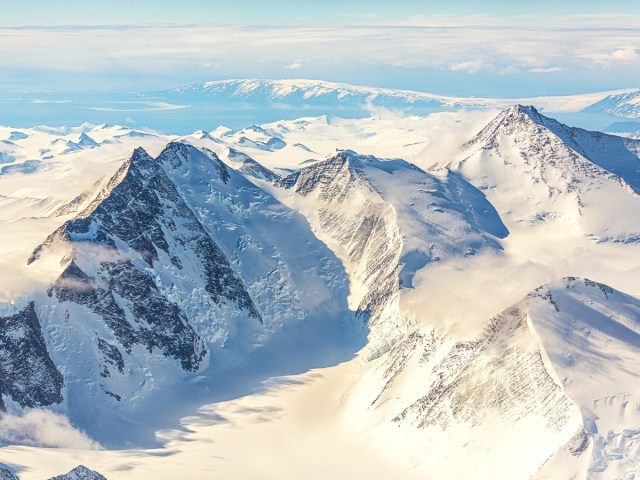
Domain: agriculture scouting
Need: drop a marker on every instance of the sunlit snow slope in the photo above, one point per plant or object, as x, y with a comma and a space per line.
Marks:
201, 265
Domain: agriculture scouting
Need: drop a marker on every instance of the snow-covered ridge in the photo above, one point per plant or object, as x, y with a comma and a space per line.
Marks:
572, 175
300, 91
471, 371
387, 219
625, 105
270, 90
174, 268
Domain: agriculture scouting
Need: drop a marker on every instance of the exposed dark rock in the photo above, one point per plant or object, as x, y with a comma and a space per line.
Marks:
27, 374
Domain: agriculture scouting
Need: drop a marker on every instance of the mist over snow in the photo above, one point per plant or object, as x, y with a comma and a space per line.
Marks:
328, 240
43, 428
448, 236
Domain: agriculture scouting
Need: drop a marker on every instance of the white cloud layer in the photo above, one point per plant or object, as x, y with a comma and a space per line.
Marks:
468, 44
43, 428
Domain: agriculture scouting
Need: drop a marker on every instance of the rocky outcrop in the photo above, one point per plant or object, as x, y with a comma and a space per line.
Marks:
28, 376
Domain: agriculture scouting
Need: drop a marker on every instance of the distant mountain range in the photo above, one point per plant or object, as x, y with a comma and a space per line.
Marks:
623, 103
237, 103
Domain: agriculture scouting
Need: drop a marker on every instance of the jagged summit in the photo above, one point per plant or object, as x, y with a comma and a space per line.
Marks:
179, 153
617, 155
179, 265
85, 141
537, 169
345, 164
80, 473
507, 122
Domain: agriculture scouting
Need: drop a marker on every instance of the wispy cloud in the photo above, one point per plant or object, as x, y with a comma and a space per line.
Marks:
43, 428
296, 65
460, 44
471, 66
149, 106
546, 69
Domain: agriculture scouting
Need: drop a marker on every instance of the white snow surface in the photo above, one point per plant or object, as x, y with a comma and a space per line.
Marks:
491, 354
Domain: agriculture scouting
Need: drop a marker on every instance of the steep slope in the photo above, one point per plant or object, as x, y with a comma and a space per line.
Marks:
536, 170
145, 297
547, 388
626, 105
80, 473
386, 220
591, 334
617, 155
28, 376
123, 259
248, 166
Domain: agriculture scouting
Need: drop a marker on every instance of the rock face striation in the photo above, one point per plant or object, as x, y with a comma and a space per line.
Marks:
535, 169
182, 274
368, 210
174, 269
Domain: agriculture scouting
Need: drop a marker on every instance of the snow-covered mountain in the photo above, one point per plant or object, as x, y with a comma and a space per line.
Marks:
369, 211
303, 92
299, 92
534, 169
179, 265
550, 377
625, 105
189, 271
78, 473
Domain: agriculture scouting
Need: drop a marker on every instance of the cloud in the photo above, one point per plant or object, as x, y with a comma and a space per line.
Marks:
626, 53
509, 70
472, 66
43, 428
151, 106
546, 69
296, 65
463, 44
42, 100
448, 134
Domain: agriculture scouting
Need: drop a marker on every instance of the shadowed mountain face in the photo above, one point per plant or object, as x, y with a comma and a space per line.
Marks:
187, 281
175, 268
115, 247
27, 374
388, 219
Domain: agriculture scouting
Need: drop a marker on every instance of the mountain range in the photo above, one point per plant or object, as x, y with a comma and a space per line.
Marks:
472, 310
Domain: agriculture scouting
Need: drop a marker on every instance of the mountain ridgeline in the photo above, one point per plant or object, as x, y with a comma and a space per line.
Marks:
185, 272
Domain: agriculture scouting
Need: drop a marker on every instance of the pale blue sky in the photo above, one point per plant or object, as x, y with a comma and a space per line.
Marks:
281, 12
497, 48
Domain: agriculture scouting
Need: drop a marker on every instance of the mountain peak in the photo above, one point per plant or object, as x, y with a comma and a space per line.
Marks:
80, 473
177, 154
516, 117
